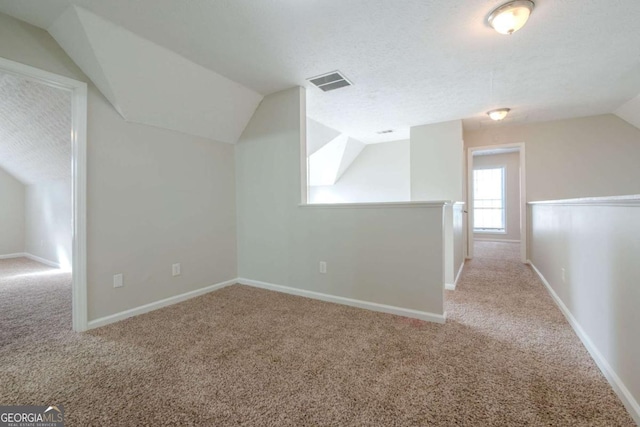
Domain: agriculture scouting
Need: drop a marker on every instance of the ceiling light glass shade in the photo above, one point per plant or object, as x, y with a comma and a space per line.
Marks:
510, 17
498, 114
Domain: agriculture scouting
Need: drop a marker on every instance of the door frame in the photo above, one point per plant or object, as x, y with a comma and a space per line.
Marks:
523, 195
78, 92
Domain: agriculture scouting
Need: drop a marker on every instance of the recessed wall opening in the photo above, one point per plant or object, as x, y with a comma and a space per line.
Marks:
42, 185
36, 192
496, 196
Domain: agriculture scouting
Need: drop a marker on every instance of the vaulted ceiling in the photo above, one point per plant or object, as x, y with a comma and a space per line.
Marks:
149, 84
330, 153
412, 62
630, 111
35, 130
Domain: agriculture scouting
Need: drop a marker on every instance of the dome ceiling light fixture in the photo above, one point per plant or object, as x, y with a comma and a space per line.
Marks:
511, 16
498, 114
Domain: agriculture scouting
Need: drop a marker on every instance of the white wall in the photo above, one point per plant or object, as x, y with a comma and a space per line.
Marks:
511, 163
387, 255
155, 196
11, 214
437, 161
598, 245
589, 156
48, 221
379, 174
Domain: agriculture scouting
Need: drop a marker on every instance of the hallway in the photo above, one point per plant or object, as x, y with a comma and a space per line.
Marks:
524, 358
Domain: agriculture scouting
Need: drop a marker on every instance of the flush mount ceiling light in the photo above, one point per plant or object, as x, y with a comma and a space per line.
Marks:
498, 114
510, 17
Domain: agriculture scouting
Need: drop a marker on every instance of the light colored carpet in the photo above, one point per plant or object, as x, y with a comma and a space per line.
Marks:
243, 356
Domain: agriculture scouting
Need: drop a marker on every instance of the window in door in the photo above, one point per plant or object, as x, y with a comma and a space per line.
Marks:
489, 200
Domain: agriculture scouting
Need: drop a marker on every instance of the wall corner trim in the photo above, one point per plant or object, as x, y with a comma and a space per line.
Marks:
106, 320
616, 383
398, 311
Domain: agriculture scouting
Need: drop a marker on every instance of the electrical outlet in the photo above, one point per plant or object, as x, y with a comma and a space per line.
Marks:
118, 280
323, 267
564, 275
175, 269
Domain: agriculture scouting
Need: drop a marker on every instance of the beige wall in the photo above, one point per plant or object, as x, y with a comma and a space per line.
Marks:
437, 161
599, 247
11, 214
384, 255
511, 163
48, 221
155, 197
590, 156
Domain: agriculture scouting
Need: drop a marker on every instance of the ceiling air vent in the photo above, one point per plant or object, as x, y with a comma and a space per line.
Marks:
330, 81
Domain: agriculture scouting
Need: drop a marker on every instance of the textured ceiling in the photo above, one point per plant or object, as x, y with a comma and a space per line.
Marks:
35, 130
412, 62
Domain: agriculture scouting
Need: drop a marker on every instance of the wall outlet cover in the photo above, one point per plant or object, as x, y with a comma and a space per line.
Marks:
323, 267
118, 280
175, 269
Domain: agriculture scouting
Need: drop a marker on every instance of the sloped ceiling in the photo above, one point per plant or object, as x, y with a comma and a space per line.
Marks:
35, 130
412, 62
318, 135
330, 153
630, 112
149, 84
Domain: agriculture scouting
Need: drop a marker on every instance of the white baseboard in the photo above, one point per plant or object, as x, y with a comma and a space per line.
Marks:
616, 383
16, 255
496, 240
42, 260
452, 286
102, 321
406, 312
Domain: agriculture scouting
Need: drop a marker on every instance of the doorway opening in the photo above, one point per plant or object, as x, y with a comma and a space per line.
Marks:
496, 196
44, 152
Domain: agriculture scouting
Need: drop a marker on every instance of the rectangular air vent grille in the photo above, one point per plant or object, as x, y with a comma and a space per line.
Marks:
330, 81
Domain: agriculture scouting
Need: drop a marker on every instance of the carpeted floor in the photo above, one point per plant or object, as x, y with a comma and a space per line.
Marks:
243, 356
